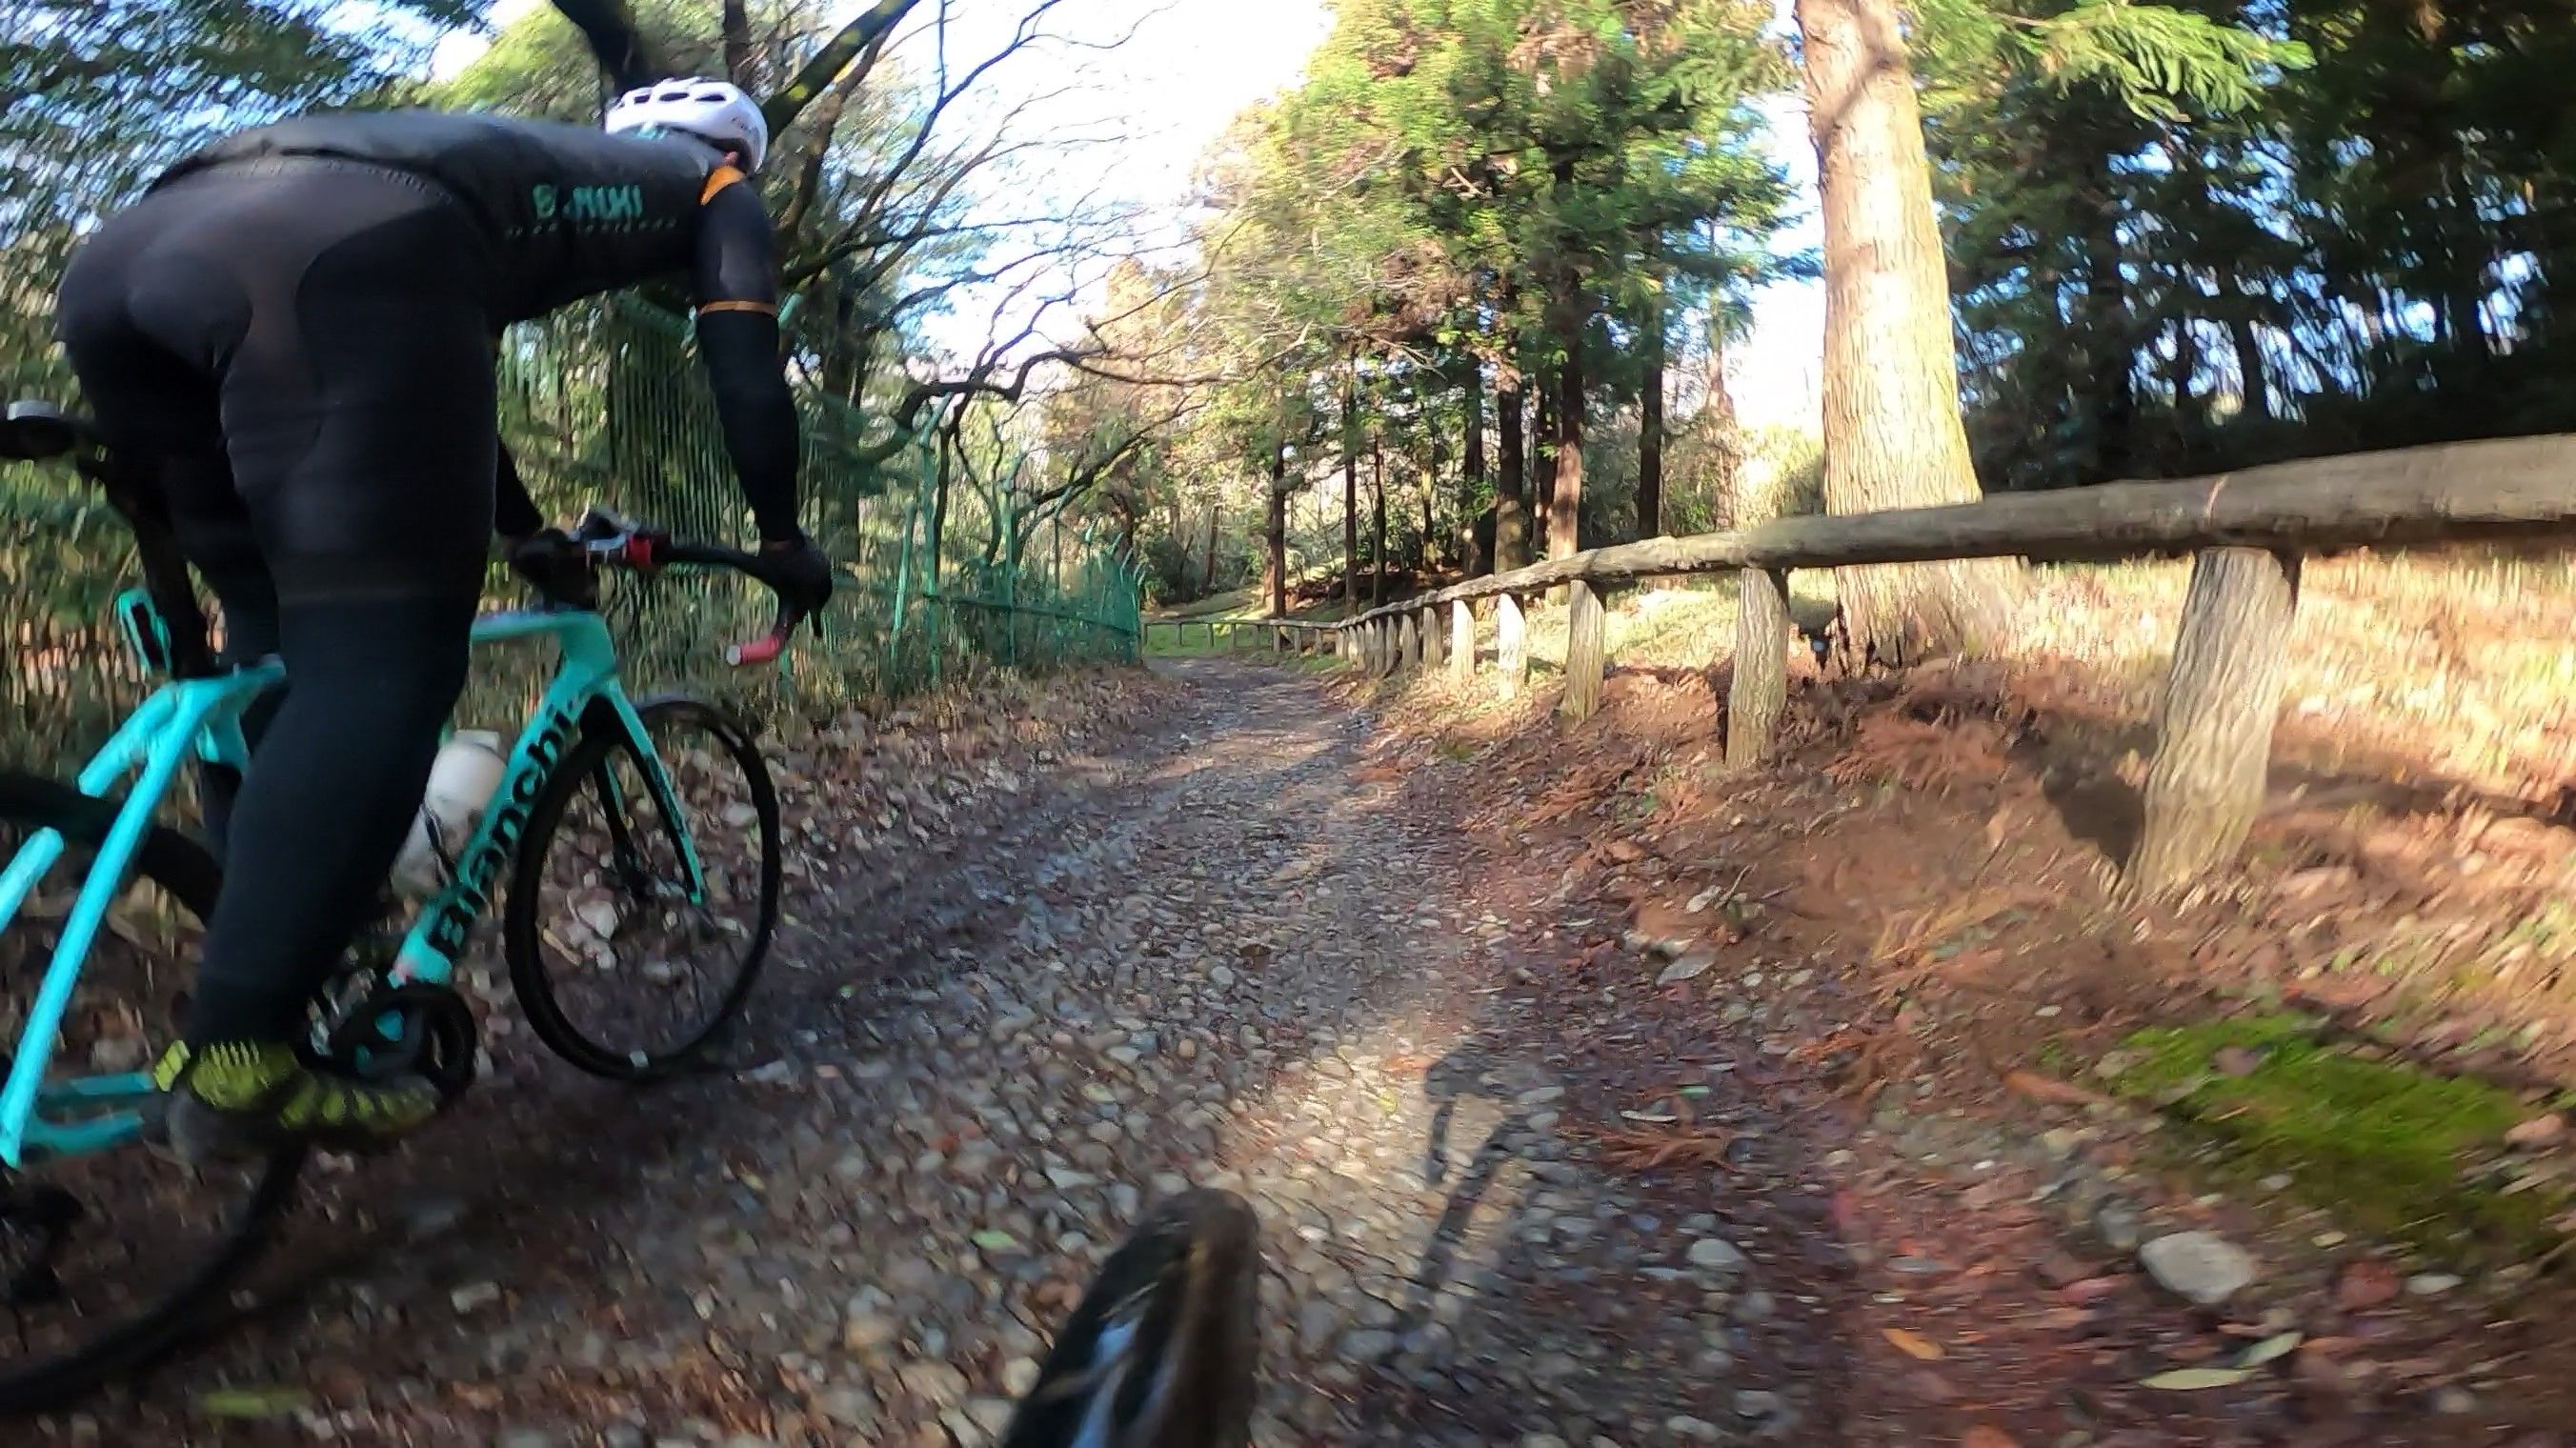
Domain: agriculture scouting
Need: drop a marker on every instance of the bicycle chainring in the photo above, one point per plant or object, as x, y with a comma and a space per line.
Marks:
413, 1029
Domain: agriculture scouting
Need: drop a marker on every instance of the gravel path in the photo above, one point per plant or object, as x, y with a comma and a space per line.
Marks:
1216, 950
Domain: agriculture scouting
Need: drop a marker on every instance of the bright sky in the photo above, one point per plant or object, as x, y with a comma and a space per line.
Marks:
1188, 69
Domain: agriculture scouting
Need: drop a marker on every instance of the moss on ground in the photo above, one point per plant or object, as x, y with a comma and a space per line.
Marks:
2381, 1144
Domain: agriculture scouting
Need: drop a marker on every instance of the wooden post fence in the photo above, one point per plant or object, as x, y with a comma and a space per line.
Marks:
1586, 652
1761, 687
2247, 532
1511, 644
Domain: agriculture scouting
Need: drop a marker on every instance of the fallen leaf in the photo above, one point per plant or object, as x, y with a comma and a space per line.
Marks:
2366, 1283
1913, 1345
253, 1403
1623, 852
2191, 1380
2279, 1345
2236, 1061
2538, 1131
1930, 1386
2090, 1289
1982, 1436
2058, 1269
2050, 1089
992, 1240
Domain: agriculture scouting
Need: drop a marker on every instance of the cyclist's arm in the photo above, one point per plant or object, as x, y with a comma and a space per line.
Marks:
736, 282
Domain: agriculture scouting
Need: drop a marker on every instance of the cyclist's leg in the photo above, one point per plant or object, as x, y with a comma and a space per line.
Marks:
356, 403
162, 415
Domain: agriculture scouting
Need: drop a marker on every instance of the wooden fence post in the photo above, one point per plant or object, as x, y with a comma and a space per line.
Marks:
2214, 723
1511, 643
1408, 642
1585, 653
1435, 644
1462, 640
1761, 687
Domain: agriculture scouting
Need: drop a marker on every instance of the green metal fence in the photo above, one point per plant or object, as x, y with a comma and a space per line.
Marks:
604, 404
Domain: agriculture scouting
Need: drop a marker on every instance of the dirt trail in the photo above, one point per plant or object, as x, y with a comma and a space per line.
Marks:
1225, 947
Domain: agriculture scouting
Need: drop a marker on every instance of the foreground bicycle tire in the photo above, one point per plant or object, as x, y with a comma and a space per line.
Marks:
28, 1383
604, 753
1162, 1350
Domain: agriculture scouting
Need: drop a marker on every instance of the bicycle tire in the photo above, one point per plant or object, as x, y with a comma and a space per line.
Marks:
1161, 1351
189, 875
522, 915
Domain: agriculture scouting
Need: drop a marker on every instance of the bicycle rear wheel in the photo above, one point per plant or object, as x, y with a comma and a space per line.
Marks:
110, 1259
1161, 1351
618, 969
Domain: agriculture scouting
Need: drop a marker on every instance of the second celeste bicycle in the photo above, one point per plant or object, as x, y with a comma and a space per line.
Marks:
639, 840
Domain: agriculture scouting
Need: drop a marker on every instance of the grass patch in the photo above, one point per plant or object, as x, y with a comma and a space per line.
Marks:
2381, 1144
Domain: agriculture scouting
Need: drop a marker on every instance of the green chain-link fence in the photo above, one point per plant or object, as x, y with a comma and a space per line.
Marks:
603, 404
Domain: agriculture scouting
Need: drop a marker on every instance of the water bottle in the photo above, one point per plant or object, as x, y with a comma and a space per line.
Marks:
461, 784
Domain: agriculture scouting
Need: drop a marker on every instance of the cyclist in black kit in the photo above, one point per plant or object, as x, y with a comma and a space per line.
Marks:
289, 342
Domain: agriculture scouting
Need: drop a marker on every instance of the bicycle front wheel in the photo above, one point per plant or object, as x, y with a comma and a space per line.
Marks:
644, 898
1160, 1353
111, 1257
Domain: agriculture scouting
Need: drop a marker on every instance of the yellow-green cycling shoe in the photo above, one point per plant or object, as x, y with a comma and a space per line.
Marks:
245, 1099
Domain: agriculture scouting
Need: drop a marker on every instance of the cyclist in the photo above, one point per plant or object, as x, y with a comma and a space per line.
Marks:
289, 343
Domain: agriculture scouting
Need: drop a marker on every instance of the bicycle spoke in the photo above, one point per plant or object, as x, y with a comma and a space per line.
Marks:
625, 1009
105, 1255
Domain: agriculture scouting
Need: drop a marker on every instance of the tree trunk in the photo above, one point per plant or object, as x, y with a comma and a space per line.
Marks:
2105, 352
1215, 513
1377, 547
1760, 689
2254, 389
2214, 724
1471, 560
1733, 508
1542, 461
736, 21
1422, 554
2180, 372
1565, 500
1893, 435
1275, 530
1650, 420
1351, 492
1511, 479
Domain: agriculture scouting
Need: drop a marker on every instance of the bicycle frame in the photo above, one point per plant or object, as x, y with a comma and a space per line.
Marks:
202, 717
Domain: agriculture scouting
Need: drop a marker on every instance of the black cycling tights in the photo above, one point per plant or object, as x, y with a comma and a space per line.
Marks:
294, 359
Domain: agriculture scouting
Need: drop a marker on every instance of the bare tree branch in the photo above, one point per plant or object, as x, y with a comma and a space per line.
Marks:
826, 64
609, 27
737, 41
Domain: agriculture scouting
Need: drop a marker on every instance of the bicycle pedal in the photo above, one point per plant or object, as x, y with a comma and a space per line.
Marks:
414, 1029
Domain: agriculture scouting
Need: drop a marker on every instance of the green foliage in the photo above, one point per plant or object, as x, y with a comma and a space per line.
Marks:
2380, 1143
539, 65
2163, 62
1464, 193
2360, 252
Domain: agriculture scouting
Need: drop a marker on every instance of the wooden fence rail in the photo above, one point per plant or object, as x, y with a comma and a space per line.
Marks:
2248, 530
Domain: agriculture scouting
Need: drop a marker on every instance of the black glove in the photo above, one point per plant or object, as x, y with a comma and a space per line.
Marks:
800, 573
551, 563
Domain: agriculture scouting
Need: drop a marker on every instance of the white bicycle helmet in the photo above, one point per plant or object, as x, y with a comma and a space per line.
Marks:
713, 111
